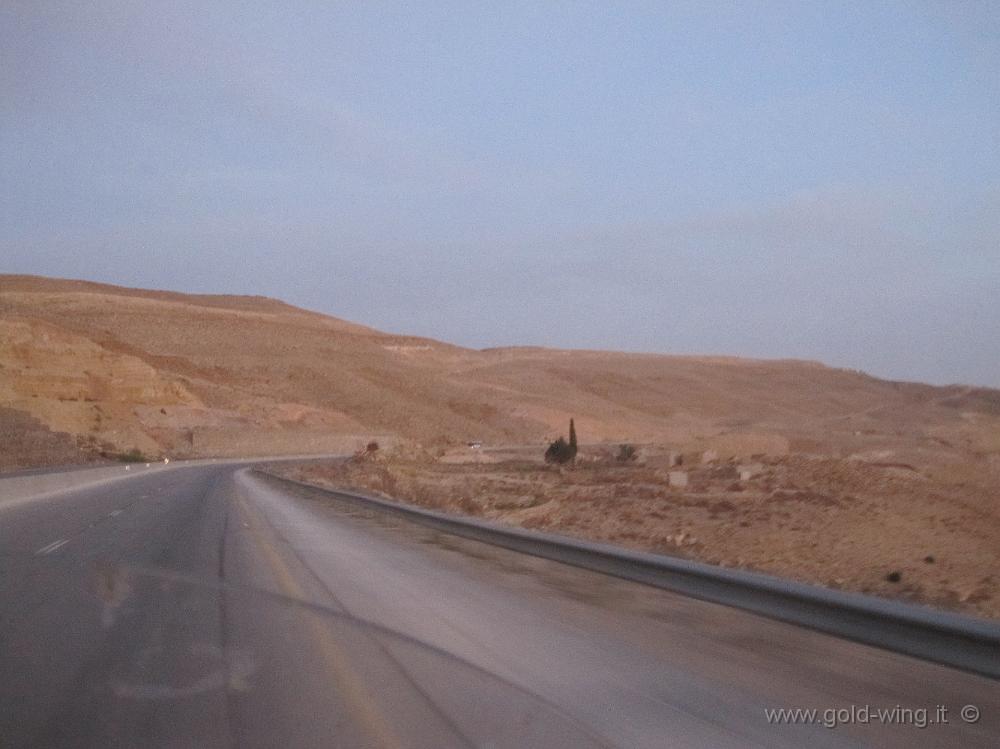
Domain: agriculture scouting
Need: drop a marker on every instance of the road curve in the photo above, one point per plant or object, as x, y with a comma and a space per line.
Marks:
207, 606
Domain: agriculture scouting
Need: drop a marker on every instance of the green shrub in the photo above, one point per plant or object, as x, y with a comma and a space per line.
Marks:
133, 456
559, 451
562, 451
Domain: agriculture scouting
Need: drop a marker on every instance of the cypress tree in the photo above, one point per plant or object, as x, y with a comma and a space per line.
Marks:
572, 439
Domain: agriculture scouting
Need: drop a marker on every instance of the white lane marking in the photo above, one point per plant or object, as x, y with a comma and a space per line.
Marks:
52, 547
114, 512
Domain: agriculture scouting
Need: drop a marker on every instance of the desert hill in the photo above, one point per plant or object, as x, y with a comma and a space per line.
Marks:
186, 375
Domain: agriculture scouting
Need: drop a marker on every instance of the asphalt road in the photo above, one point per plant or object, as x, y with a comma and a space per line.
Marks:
206, 606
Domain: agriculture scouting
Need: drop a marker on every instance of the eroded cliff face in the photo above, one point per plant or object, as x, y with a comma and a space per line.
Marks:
73, 385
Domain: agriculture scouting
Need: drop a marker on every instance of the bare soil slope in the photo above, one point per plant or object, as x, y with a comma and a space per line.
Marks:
190, 375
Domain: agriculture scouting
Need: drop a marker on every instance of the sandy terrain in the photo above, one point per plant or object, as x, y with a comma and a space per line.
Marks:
843, 523
184, 375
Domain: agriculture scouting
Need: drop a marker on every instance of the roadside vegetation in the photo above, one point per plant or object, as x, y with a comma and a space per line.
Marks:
626, 453
562, 451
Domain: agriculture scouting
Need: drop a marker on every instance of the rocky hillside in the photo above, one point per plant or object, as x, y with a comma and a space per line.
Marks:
187, 375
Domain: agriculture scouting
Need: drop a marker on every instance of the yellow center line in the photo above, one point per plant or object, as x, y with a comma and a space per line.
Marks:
358, 698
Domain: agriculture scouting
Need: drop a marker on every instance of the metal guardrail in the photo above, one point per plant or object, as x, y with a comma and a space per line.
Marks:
953, 640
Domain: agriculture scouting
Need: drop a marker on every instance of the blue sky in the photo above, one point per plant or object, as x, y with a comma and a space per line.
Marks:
810, 180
